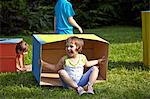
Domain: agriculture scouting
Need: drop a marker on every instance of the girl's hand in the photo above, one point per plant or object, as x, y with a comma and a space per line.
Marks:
101, 60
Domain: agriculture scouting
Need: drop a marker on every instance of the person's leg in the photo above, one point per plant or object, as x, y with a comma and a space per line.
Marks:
89, 78
92, 80
19, 63
66, 79
68, 82
85, 78
93, 76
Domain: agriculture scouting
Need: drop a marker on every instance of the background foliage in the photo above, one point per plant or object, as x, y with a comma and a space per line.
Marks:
24, 16
111, 12
27, 16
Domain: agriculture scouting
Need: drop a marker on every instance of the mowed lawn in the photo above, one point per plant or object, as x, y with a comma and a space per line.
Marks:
127, 77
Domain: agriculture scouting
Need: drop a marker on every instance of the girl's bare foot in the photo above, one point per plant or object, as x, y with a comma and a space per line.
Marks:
21, 69
24, 69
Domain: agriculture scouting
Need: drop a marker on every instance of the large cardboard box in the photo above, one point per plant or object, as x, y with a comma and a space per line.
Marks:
8, 54
51, 47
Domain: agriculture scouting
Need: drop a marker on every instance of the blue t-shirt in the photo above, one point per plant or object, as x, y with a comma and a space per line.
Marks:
63, 10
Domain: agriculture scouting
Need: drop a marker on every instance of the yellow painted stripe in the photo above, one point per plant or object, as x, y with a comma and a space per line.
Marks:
146, 37
48, 38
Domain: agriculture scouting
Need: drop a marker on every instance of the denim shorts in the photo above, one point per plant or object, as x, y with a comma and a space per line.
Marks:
68, 31
83, 81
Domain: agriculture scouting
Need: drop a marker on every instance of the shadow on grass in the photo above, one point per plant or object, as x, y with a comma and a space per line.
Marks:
128, 65
24, 85
17, 79
21, 79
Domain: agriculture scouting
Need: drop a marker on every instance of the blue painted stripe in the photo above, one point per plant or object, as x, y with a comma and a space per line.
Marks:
40, 40
36, 57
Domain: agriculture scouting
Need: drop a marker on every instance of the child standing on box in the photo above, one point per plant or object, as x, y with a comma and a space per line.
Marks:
21, 49
71, 67
63, 19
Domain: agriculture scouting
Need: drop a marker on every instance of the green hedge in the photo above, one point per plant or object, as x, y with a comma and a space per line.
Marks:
26, 17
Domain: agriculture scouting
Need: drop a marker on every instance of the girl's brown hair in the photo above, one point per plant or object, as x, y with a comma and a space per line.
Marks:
77, 41
22, 46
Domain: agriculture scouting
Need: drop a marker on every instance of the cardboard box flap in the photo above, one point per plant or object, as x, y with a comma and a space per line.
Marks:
45, 38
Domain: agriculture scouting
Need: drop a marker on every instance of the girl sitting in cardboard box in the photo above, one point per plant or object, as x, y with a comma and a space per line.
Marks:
71, 66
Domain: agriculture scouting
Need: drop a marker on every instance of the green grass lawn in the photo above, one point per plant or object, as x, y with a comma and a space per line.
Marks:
127, 77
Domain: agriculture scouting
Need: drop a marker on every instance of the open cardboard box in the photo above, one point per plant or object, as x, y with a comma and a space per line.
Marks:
51, 47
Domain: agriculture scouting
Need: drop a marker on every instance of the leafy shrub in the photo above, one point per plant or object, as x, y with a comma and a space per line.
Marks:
37, 15
92, 14
22, 16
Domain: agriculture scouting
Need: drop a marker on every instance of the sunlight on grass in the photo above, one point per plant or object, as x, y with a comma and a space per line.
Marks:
129, 52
